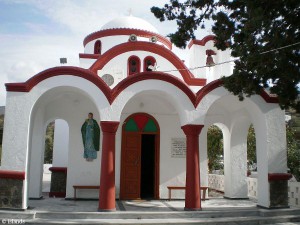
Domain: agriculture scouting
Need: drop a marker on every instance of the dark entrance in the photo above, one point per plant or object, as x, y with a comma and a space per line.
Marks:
147, 166
140, 158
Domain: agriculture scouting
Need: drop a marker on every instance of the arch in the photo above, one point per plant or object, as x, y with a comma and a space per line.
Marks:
133, 65
149, 61
178, 98
134, 128
187, 76
196, 99
201, 42
59, 71
57, 103
97, 47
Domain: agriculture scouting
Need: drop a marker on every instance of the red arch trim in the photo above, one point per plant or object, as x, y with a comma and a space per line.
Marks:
201, 42
111, 94
126, 31
153, 76
56, 71
187, 76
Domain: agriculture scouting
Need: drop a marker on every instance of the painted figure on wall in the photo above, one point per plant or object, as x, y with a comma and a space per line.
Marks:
90, 132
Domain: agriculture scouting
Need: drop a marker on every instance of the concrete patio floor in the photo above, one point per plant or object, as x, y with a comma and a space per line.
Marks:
214, 211
62, 205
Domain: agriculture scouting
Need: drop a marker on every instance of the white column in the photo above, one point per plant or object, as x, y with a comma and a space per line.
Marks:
235, 159
61, 144
36, 156
271, 151
16, 136
203, 157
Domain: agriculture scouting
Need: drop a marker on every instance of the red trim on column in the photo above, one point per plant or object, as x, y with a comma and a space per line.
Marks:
279, 176
201, 42
107, 192
10, 174
58, 169
126, 31
89, 56
187, 76
192, 193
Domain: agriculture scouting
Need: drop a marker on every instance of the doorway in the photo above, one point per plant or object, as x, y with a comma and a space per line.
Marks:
147, 166
140, 158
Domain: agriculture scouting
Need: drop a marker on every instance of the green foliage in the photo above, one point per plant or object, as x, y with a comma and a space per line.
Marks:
249, 29
293, 147
49, 139
214, 148
251, 146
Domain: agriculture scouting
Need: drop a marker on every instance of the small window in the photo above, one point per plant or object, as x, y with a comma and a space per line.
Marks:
134, 65
97, 47
149, 61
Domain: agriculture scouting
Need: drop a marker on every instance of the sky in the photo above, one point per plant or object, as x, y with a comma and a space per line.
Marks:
35, 34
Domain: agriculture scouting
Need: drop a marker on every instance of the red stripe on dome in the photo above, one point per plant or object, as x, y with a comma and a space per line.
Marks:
126, 31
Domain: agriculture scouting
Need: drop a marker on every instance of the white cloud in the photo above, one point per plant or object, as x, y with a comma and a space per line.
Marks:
22, 56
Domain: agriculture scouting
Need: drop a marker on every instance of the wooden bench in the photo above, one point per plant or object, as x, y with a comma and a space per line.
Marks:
83, 187
202, 188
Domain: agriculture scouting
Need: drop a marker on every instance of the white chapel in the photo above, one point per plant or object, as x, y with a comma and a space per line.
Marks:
152, 113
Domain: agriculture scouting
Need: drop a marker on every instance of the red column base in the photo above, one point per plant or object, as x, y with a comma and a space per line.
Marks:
189, 209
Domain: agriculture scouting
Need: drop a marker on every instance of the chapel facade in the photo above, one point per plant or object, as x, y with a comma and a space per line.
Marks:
153, 114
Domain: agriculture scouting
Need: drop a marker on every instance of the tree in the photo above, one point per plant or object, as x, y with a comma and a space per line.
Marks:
293, 154
214, 148
252, 30
49, 139
251, 146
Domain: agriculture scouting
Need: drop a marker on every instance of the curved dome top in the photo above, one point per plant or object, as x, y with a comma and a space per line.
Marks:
129, 22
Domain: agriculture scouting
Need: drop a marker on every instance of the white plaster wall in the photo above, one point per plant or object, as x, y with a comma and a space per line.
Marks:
203, 157
119, 63
36, 153
61, 144
179, 100
86, 63
111, 41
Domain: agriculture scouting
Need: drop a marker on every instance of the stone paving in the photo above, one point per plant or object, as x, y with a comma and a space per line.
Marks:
215, 211
62, 205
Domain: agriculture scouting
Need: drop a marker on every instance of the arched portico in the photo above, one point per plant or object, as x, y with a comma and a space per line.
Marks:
237, 117
72, 105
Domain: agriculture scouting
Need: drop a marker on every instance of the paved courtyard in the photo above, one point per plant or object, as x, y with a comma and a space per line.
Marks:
62, 205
